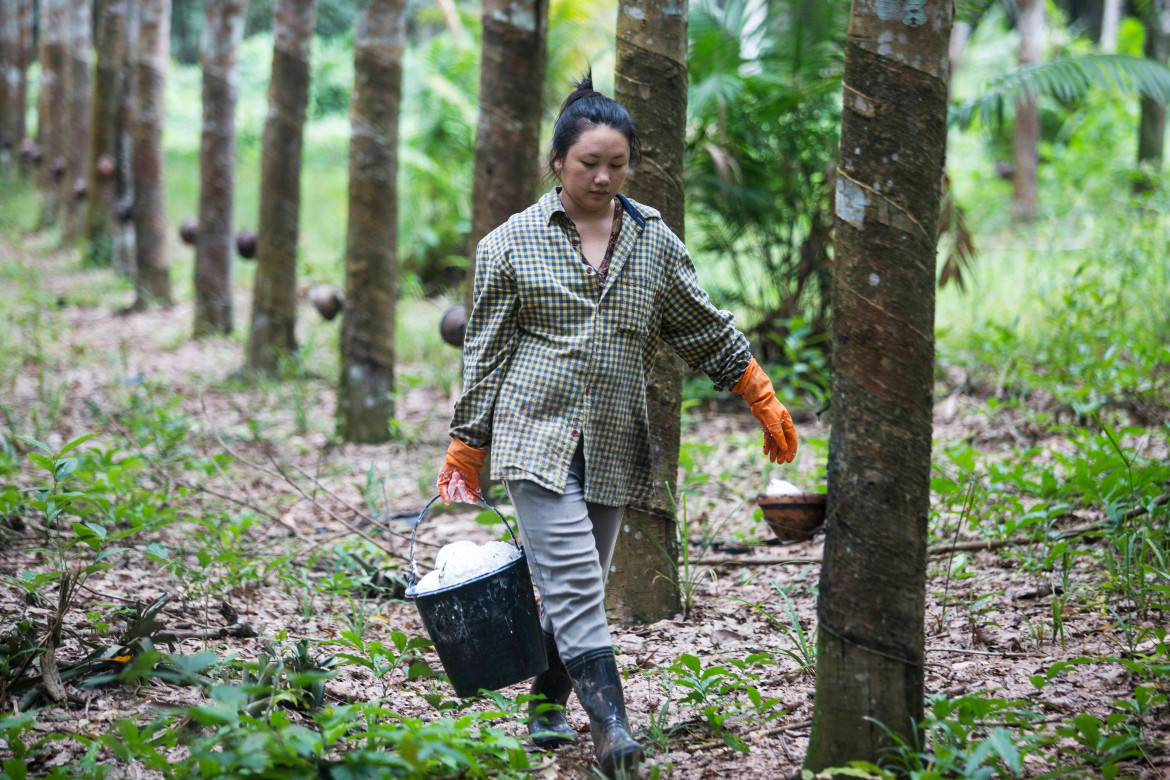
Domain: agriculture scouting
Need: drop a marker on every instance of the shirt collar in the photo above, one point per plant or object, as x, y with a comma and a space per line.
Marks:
550, 205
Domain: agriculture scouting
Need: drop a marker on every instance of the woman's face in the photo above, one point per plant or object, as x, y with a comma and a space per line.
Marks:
592, 170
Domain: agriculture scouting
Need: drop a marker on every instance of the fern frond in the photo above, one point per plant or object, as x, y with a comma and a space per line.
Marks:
1067, 80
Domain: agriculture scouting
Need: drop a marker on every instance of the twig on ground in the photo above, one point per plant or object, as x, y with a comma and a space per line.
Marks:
1019, 541
760, 561
277, 470
804, 724
198, 487
997, 653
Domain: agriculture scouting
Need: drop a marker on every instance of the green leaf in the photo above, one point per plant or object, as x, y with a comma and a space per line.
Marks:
98, 530
1088, 726
96, 567
42, 461
399, 640
1001, 742
13, 767
77, 442
112, 551
158, 550
64, 469
1067, 80
35, 443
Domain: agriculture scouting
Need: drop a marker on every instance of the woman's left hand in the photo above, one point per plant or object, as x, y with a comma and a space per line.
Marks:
779, 432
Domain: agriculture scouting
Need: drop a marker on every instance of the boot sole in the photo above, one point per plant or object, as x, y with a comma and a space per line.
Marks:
553, 742
626, 758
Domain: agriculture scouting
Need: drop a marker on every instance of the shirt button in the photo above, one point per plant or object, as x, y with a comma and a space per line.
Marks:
586, 391
576, 432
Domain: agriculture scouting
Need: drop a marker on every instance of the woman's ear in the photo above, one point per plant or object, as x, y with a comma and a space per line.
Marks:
558, 163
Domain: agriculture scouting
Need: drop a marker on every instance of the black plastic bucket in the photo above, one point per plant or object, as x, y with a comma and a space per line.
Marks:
486, 630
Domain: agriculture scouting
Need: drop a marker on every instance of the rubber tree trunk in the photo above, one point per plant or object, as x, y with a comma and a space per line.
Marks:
1026, 135
52, 107
364, 400
152, 277
9, 33
1152, 127
18, 83
100, 232
650, 80
960, 37
223, 28
79, 87
507, 139
1110, 24
870, 638
274, 304
15, 18
126, 256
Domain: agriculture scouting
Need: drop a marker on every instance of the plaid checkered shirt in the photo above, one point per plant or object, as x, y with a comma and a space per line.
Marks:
548, 357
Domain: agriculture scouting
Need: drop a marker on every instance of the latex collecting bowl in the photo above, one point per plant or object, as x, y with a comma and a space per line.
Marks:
795, 517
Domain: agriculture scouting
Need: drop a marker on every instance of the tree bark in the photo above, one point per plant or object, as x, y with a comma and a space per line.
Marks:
126, 257
364, 399
9, 34
52, 107
223, 28
274, 310
650, 80
101, 168
1152, 127
153, 282
18, 83
1026, 136
870, 637
960, 37
79, 89
1110, 24
507, 139
15, 18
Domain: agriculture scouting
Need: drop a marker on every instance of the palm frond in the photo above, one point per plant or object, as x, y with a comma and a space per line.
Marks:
1068, 80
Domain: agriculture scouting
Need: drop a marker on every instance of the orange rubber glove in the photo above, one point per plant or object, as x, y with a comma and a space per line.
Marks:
459, 476
779, 432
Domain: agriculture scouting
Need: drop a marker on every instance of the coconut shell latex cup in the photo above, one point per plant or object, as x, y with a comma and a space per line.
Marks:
793, 517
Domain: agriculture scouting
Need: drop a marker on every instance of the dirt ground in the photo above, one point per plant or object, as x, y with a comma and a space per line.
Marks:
105, 353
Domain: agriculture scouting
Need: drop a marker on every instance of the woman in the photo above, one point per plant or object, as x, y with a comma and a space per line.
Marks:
571, 297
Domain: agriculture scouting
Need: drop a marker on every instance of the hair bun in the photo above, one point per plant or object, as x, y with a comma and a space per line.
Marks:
582, 89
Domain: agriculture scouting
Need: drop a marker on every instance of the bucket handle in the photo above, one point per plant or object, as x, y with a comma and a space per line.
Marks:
414, 533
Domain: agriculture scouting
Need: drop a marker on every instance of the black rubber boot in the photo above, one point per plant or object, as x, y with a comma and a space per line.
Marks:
599, 687
555, 686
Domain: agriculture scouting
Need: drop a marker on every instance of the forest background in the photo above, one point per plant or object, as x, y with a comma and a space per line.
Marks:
252, 622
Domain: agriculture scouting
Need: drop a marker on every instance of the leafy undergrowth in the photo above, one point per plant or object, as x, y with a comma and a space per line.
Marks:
198, 581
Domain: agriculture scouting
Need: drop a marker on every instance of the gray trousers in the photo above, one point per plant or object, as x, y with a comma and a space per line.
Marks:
569, 543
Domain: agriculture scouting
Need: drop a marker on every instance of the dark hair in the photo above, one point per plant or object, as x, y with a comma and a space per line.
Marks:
584, 108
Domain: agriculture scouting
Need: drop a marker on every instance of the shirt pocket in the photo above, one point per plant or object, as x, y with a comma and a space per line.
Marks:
631, 307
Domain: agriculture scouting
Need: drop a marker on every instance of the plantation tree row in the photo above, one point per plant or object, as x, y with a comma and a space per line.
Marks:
101, 175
